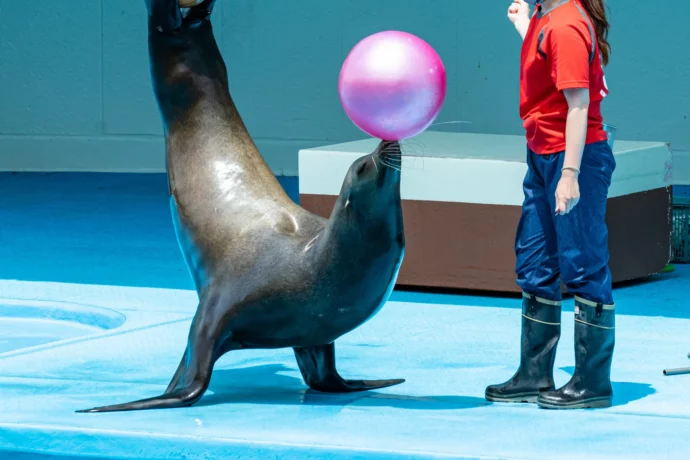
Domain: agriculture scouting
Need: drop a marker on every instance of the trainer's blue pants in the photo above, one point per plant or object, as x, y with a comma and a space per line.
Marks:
571, 247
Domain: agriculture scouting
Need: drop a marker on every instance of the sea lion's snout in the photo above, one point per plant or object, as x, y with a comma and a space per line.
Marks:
389, 154
388, 147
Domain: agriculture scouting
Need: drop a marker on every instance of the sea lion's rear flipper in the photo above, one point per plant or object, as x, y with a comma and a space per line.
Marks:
193, 375
166, 15
317, 365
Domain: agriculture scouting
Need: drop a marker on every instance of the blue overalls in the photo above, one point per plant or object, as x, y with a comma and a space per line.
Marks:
572, 247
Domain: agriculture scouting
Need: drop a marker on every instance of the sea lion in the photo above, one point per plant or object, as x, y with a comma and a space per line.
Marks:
268, 273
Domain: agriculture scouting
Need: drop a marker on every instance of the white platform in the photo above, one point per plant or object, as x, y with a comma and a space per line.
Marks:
474, 168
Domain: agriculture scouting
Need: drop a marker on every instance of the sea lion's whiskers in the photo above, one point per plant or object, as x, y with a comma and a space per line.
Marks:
391, 149
451, 122
390, 165
411, 151
387, 157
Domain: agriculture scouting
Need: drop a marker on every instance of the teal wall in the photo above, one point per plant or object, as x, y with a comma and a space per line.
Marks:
74, 82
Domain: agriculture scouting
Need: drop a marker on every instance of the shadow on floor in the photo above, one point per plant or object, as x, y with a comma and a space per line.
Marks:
265, 384
624, 392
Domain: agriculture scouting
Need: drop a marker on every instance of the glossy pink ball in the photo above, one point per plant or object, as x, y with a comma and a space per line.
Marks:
392, 85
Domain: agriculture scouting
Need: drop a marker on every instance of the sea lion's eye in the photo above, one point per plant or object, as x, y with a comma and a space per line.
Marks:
360, 168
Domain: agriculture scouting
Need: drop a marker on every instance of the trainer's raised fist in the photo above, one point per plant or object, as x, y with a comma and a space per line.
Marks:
518, 11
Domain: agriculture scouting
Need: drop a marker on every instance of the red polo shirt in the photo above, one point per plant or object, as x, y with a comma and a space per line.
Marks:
560, 51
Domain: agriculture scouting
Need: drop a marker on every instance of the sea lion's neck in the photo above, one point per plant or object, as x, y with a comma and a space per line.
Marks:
368, 223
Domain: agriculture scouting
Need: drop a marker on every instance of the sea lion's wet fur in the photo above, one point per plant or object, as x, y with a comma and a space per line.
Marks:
269, 274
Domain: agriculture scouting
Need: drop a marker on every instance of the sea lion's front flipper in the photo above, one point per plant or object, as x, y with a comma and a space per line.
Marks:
317, 365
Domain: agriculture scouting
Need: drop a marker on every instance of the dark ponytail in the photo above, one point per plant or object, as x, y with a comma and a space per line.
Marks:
597, 13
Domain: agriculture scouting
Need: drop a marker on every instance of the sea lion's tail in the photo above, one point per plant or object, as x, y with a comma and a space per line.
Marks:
177, 398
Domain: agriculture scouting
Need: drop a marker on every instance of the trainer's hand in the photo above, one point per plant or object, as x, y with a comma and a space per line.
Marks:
518, 14
567, 192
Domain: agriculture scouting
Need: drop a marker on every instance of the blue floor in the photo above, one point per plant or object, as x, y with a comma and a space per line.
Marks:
95, 304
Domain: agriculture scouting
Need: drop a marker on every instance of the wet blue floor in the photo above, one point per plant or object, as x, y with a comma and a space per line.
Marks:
23, 333
95, 304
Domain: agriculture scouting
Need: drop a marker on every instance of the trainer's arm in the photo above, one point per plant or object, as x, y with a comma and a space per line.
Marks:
575, 128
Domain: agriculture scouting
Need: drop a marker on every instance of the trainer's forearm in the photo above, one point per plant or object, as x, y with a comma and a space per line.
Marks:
575, 136
521, 28
576, 126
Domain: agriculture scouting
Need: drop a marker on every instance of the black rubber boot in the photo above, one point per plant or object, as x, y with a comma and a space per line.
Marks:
590, 385
541, 330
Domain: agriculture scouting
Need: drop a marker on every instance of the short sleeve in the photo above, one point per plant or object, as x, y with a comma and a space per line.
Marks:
568, 53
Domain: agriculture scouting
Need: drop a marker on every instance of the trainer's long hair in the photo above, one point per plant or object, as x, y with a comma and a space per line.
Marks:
597, 13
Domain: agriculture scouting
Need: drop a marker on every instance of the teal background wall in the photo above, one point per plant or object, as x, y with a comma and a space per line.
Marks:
75, 91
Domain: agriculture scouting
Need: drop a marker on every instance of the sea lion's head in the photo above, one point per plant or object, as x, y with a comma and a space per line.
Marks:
371, 190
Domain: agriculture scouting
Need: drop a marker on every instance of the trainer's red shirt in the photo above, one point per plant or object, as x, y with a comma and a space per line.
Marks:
559, 51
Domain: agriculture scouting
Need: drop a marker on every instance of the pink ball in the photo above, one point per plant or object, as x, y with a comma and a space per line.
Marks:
392, 85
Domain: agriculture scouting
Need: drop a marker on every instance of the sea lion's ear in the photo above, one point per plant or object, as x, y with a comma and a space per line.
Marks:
348, 199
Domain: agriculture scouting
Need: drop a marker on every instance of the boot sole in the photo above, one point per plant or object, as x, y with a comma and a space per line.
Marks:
528, 398
593, 403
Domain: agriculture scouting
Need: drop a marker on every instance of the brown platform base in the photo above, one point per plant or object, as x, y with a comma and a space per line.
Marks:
470, 246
